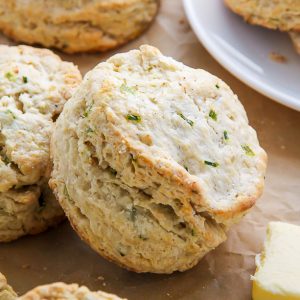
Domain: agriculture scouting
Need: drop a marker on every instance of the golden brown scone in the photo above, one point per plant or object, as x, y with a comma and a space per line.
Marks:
295, 36
154, 161
34, 85
76, 25
274, 14
6, 292
62, 291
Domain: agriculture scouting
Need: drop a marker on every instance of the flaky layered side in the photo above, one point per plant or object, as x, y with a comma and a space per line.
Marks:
34, 85
76, 25
154, 161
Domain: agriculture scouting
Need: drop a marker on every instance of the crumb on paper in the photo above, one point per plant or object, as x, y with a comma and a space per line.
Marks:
104, 284
25, 266
168, 295
182, 21
100, 278
282, 147
277, 57
45, 268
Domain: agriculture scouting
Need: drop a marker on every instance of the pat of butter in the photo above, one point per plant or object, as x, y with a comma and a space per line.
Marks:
277, 275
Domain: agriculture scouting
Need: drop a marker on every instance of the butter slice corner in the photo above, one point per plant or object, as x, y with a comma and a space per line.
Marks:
277, 275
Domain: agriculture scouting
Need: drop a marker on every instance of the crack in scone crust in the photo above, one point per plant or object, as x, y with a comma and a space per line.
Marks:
147, 177
77, 25
34, 85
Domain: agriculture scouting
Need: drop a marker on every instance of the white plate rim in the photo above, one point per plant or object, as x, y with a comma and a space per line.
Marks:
257, 85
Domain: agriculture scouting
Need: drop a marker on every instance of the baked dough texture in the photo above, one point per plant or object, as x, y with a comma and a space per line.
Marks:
76, 25
59, 291
34, 85
274, 14
6, 292
154, 161
54, 291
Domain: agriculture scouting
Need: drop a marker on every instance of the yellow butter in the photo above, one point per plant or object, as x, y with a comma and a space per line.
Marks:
277, 275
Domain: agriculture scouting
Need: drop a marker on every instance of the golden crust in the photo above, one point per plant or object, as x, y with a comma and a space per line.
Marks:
282, 15
6, 292
77, 26
295, 36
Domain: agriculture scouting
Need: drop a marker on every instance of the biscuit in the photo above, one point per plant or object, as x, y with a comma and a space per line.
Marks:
154, 161
34, 85
76, 25
6, 292
54, 291
60, 290
295, 36
273, 14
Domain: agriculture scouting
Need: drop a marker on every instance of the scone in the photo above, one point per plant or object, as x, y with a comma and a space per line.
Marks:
6, 292
274, 14
76, 25
154, 161
34, 85
54, 291
59, 291
295, 36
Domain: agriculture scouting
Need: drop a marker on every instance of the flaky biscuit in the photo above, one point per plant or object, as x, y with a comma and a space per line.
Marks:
154, 161
76, 25
34, 85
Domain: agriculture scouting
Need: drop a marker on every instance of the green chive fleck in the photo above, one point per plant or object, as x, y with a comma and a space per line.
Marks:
186, 168
133, 213
25, 79
190, 122
217, 86
90, 130
9, 112
5, 159
226, 137
135, 118
212, 164
125, 88
213, 115
87, 111
193, 232
10, 76
248, 150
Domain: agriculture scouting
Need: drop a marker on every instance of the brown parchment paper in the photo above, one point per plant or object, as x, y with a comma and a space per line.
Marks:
224, 273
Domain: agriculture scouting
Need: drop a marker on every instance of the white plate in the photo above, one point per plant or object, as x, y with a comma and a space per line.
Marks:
244, 50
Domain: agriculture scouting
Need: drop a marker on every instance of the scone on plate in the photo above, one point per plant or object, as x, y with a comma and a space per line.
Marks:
295, 36
283, 15
34, 85
54, 291
154, 161
76, 25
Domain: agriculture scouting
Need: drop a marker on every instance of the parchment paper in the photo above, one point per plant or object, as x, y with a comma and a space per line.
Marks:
224, 273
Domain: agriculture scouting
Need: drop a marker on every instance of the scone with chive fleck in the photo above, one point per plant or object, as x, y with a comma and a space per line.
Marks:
34, 85
76, 25
54, 291
154, 161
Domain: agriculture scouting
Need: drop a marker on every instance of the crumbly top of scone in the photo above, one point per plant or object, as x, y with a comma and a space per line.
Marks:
186, 123
59, 290
34, 85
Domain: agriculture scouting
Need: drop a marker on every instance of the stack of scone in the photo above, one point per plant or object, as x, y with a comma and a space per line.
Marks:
34, 86
273, 14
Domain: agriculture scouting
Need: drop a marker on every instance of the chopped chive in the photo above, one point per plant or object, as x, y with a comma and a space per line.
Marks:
190, 122
212, 164
248, 150
25, 79
217, 86
186, 168
193, 232
226, 137
90, 130
135, 118
9, 112
10, 76
213, 115
133, 214
126, 88
87, 111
